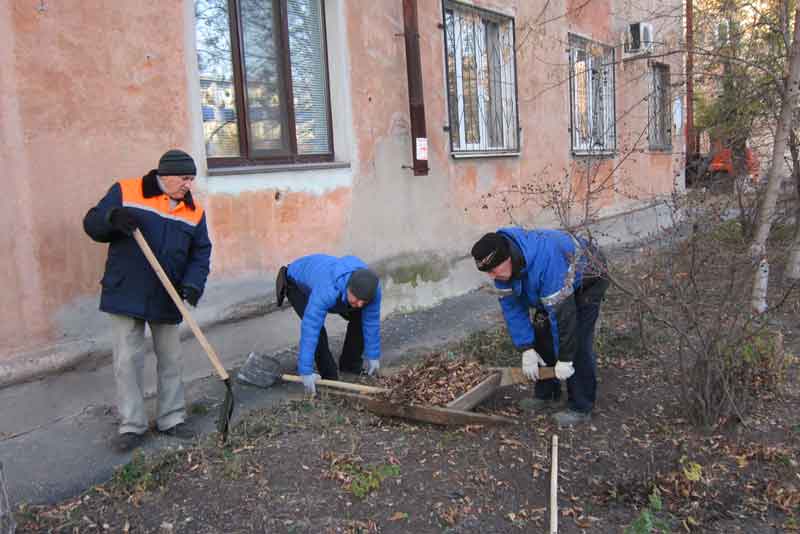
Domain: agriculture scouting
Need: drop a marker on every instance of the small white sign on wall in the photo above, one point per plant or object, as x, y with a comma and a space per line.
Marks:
422, 148
677, 113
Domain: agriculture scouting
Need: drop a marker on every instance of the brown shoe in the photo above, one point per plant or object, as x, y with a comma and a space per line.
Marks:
126, 442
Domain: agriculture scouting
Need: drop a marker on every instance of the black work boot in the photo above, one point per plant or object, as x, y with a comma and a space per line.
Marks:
126, 442
180, 431
536, 404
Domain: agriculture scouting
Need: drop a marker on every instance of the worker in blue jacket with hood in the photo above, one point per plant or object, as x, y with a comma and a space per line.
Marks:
320, 284
562, 278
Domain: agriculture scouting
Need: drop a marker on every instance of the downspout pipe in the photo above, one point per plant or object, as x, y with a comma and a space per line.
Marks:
416, 100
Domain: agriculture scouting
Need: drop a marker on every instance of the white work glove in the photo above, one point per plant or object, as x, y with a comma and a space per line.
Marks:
309, 381
373, 366
530, 364
564, 370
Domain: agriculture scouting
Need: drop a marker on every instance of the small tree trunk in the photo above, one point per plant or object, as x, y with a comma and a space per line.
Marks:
793, 265
759, 299
767, 208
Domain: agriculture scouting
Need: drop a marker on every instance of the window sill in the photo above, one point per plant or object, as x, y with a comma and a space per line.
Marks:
465, 155
665, 150
637, 55
288, 167
605, 154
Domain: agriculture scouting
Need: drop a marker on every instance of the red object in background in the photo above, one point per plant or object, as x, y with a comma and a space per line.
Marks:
722, 161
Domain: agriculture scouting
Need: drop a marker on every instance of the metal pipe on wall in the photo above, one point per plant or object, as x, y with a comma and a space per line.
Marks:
416, 100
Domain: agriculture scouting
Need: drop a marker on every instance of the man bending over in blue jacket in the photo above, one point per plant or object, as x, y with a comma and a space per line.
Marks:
561, 278
319, 284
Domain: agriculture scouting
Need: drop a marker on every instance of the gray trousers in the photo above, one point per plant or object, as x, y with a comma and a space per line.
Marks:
129, 351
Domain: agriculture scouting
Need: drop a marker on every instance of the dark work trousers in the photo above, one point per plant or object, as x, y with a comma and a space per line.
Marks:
582, 386
353, 349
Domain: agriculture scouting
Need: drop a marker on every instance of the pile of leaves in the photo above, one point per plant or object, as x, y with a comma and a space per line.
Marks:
436, 381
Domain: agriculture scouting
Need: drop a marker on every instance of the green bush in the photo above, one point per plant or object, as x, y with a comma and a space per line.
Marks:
758, 361
134, 475
366, 480
647, 521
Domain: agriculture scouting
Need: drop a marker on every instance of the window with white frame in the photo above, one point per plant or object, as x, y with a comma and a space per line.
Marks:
659, 113
481, 80
591, 91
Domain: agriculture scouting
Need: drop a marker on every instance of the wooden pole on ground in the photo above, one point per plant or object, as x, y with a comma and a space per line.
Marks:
7, 524
554, 488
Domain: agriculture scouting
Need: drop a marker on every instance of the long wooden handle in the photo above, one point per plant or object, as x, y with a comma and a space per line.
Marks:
165, 281
554, 488
337, 384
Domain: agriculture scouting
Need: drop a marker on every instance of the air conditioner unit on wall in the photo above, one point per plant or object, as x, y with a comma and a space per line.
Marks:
640, 38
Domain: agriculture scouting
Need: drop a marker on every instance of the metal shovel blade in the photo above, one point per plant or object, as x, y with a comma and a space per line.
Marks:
260, 370
226, 411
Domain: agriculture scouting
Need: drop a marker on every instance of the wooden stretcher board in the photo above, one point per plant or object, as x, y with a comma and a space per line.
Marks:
458, 411
427, 414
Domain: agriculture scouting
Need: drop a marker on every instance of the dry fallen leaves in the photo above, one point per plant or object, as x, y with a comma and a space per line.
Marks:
783, 497
436, 381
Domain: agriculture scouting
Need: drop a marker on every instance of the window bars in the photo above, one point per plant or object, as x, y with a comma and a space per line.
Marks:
659, 109
591, 91
481, 81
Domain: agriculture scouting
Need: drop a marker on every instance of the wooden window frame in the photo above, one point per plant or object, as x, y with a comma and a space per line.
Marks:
247, 157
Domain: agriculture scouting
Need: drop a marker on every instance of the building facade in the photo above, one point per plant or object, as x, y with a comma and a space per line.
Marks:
298, 115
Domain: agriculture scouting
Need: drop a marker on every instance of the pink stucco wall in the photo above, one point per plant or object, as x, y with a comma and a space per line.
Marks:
83, 108
92, 92
258, 232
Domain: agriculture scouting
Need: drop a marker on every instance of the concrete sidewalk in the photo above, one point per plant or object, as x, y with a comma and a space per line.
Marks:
54, 432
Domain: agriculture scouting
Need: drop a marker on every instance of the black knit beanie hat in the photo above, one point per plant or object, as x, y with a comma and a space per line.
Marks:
176, 163
490, 251
363, 284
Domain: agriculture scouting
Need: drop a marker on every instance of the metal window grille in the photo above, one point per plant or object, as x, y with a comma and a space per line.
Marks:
659, 112
591, 89
481, 80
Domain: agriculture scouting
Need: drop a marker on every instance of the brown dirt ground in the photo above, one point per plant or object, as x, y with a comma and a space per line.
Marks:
325, 466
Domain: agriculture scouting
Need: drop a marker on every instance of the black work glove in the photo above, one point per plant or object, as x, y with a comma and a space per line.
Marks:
122, 220
190, 294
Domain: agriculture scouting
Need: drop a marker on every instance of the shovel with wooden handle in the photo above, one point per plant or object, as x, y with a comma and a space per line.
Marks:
226, 410
348, 386
264, 370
